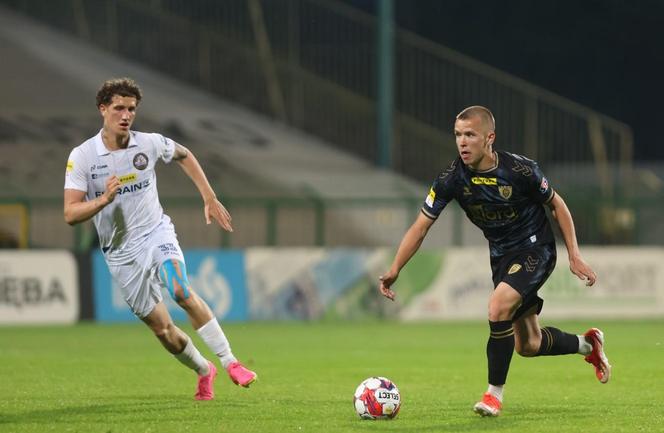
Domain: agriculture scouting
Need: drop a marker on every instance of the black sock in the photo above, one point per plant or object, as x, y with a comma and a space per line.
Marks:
499, 351
557, 342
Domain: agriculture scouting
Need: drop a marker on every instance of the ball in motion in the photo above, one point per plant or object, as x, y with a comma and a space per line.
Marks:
377, 398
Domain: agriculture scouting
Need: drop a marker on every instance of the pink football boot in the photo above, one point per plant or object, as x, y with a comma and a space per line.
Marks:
205, 389
240, 375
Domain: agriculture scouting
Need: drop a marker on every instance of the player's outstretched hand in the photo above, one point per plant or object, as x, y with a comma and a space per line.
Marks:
215, 210
386, 281
582, 270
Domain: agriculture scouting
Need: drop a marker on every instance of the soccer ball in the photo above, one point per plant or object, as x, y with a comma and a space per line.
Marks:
377, 398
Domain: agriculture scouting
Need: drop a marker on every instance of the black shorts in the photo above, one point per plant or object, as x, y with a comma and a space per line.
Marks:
526, 271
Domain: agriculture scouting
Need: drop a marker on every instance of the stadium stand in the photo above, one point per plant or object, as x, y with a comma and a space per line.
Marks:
245, 154
290, 187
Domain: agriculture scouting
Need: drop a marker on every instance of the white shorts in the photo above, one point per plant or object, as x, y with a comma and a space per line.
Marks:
139, 280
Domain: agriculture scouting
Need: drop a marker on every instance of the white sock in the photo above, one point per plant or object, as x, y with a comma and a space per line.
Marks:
193, 359
584, 347
215, 339
496, 391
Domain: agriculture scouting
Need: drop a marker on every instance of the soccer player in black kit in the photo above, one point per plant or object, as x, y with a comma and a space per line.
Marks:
504, 195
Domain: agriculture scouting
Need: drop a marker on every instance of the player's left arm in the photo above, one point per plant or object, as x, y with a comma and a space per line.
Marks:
563, 217
213, 207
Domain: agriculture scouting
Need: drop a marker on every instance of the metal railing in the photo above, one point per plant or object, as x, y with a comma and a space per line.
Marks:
360, 222
284, 221
312, 64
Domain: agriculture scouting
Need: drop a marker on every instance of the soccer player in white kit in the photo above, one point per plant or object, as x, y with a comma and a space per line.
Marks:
111, 179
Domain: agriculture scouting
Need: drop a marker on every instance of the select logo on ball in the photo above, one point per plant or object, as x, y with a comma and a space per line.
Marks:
377, 398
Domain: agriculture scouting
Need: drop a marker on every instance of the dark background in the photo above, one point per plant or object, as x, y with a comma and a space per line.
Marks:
605, 54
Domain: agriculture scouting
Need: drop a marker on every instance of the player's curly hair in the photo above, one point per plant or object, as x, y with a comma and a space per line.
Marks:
118, 86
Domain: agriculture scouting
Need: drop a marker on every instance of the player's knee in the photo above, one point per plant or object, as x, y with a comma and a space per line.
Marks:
501, 308
499, 311
173, 273
528, 348
164, 332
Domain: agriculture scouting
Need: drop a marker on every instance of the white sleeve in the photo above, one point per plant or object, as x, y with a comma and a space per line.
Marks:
165, 148
75, 174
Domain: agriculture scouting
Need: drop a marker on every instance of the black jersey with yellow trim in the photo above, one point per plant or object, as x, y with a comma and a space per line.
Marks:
506, 201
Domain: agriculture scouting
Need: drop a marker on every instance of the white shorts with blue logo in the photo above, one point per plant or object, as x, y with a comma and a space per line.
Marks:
139, 280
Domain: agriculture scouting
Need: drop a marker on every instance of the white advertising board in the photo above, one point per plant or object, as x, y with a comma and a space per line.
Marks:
630, 283
38, 287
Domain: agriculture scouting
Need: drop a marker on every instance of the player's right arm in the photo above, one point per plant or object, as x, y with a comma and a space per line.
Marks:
441, 193
407, 248
78, 210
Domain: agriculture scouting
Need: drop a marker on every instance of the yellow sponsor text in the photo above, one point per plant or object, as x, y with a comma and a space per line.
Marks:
127, 178
484, 180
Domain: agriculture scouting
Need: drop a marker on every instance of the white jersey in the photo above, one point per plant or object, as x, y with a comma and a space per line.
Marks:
136, 212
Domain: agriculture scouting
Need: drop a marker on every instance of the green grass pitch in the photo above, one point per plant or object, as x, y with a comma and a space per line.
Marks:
117, 378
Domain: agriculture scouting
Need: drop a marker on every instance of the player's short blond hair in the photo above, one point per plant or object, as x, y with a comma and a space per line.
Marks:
485, 115
118, 86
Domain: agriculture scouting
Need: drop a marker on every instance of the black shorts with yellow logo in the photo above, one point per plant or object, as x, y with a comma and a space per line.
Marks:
526, 271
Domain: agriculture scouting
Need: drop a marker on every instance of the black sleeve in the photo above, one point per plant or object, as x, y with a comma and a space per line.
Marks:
440, 193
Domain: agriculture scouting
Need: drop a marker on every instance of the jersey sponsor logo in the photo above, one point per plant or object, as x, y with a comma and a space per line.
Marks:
140, 161
126, 178
99, 175
514, 269
129, 188
70, 166
486, 214
505, 191
484, 180
544, 185
430, 198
